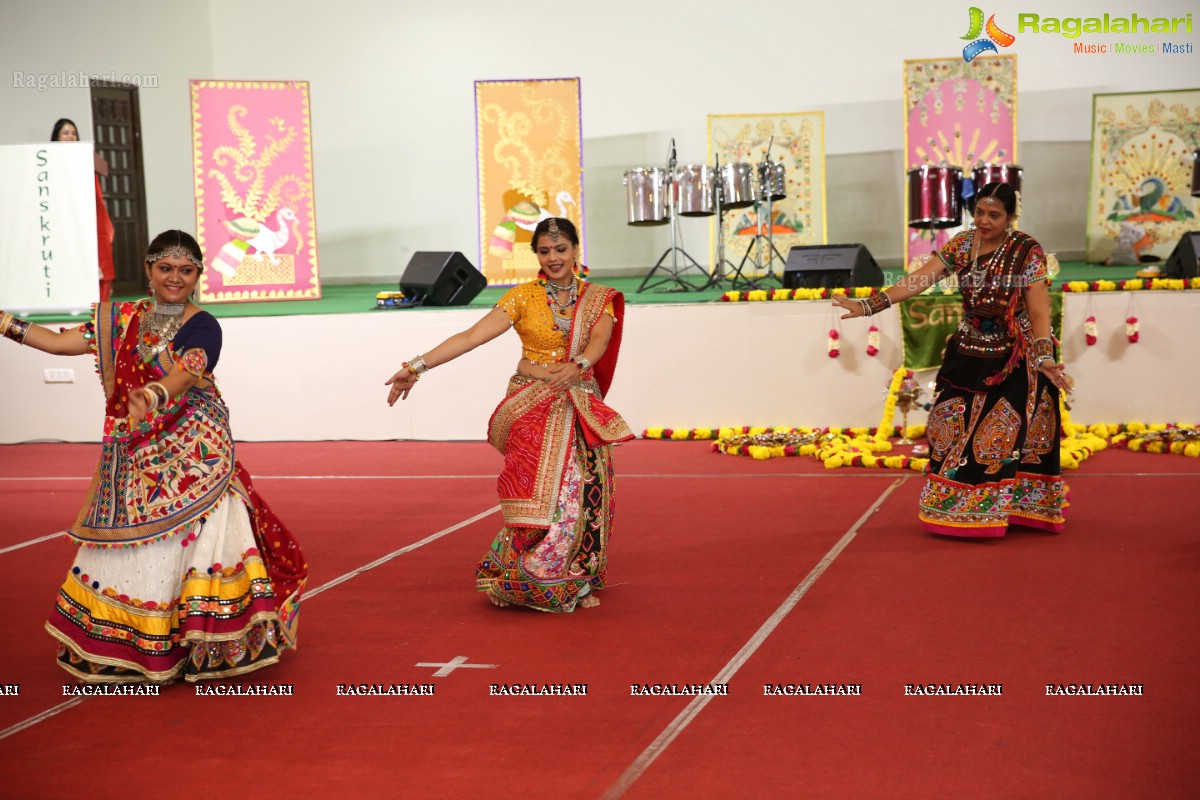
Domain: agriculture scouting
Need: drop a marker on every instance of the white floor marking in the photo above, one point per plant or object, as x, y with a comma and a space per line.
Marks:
677, 725
458, 662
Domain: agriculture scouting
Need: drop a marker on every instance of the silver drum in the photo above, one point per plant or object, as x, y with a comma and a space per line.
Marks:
772, 180
737, 185
646, 196
695, 190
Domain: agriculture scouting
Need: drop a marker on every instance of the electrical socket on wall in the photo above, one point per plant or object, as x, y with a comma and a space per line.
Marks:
64, 375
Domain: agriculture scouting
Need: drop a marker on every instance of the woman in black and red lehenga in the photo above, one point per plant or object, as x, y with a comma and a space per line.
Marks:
994, 425
183, 571
553, 427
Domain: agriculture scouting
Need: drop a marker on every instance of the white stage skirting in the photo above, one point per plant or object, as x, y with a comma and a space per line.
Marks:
304, 378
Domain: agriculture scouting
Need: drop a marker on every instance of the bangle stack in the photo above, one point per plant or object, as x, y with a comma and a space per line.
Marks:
583, 364
875, 303
13, 328
1042, 350
158, 394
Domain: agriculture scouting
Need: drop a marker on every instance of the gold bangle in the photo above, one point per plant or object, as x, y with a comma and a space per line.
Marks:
14, 328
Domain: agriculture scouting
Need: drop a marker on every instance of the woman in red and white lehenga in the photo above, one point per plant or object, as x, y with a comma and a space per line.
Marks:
553, 427
183, 571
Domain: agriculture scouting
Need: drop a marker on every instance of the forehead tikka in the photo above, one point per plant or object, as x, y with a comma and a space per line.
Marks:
175, 251
552, 229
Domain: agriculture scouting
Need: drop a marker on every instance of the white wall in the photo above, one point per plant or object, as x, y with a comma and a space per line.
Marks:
393, 101
681, 365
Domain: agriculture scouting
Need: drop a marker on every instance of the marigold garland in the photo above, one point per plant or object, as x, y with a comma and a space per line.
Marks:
1181, 440
824, 293
678, 434
857, 447
886, 428
1133, 285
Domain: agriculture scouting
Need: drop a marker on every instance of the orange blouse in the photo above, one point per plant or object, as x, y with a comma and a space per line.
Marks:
541, 341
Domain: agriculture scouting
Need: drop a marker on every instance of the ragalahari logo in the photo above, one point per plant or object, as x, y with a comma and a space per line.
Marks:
994, 37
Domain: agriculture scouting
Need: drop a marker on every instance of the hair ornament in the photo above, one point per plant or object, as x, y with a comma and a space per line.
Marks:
175, 251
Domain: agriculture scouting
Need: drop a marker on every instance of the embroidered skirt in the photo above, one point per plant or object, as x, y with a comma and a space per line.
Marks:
197, 605
994, 457
551, 569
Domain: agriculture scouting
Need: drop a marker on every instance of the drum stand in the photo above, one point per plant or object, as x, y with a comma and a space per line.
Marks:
674, 273
718, 272
757, 242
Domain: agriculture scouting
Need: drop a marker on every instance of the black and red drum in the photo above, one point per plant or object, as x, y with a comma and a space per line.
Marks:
934, 197
983, 174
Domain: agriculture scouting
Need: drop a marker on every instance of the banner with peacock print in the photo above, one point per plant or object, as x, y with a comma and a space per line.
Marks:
255, 215
530, 151
1140, 200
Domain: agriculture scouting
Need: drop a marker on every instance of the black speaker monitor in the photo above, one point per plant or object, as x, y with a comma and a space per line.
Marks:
831, 266
440, 279
1185, 258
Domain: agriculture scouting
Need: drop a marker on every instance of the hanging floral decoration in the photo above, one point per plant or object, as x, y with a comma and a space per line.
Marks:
873, 340
832, 343
1089, 330
1131, 329
886, 429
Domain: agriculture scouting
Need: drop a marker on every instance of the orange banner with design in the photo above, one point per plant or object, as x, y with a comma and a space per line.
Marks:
530, 151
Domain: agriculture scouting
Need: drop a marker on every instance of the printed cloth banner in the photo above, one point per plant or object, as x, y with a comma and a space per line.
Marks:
1140, 199
48, 253
530, 150
956, 114
255, 215
797, 147
928, 320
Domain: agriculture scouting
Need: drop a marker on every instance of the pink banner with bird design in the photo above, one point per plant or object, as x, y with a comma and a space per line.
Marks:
957, 115
255, 215
530, 144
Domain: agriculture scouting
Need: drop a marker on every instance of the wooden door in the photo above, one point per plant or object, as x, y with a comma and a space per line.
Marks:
117, 133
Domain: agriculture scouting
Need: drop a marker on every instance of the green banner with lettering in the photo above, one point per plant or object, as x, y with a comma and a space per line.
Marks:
927, 321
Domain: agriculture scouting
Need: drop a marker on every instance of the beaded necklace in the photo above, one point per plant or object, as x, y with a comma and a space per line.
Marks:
560, 312
980, 268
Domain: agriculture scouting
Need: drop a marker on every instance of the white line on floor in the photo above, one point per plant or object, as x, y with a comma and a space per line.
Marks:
61, 707
677, 725
31, 541
45, 715
408, 548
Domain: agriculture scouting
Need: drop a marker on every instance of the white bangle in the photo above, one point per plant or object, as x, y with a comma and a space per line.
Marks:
583, 364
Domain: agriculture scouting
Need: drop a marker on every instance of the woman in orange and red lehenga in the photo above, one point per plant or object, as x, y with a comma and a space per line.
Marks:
183, 571
553, 427
994, 424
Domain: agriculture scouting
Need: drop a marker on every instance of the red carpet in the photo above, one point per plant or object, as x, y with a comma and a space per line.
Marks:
706, 548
